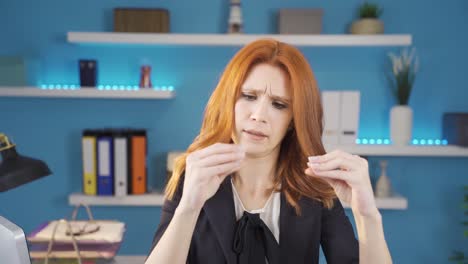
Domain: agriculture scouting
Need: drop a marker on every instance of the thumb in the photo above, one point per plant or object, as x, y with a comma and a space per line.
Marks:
335, 184
220, 178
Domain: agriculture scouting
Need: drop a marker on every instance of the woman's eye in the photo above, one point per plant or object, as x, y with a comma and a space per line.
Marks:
248, 96
279, 105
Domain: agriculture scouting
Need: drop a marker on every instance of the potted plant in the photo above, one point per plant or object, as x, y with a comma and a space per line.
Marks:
404, 68
368, 22
460, 257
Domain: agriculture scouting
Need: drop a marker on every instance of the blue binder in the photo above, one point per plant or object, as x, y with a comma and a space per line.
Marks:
105, 150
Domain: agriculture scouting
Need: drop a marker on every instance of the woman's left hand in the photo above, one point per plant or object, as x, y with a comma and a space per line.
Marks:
349, 176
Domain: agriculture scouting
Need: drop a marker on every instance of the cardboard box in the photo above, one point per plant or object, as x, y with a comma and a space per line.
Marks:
300, 21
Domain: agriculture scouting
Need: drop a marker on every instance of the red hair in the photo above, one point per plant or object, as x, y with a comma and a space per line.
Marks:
305, 139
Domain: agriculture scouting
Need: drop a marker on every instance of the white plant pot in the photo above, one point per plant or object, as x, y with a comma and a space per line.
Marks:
401, 125
367, 26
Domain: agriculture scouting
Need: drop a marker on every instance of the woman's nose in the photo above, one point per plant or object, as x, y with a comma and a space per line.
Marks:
259, 111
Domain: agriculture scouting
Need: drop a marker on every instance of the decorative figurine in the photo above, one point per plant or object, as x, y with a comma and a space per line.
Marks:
145, 77
383, 187
235, 17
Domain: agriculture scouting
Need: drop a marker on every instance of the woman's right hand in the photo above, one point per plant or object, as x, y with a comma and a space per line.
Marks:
205, 170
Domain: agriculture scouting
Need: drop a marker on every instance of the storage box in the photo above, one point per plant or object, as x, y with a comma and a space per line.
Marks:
455, 128
142, 20
12, 71
300, 21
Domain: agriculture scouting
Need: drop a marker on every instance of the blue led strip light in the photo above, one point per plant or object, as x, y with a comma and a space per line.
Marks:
106, 87
419, 142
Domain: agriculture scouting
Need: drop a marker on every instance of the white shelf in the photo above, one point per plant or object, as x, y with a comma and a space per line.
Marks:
391, 203
128, 260
157, 199
389, 150
119, 259
237, 40
151, 199
89, 92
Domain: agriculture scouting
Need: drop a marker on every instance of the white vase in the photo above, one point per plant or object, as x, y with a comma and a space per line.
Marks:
401, 125
383, 187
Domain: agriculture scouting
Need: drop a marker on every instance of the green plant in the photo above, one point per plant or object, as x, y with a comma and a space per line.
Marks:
404, 69
458, 256
370, 10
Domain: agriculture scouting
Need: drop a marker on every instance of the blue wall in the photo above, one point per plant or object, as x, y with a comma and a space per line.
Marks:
50, 128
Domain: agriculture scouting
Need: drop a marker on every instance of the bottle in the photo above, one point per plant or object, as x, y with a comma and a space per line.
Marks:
383, 187
235, 17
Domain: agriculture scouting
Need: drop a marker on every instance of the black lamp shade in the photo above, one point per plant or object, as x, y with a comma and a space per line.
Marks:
17, 170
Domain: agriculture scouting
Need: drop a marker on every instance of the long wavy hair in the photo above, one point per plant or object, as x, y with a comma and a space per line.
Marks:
303, 140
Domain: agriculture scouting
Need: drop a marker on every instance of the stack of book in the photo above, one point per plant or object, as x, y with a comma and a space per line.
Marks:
114, 161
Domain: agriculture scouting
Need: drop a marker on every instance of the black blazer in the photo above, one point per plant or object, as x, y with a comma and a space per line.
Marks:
299, 239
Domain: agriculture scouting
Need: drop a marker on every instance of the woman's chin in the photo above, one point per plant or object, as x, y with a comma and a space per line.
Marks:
254, 151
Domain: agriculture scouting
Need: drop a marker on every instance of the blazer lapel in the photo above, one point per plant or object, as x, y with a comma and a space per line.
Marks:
295, 230
220, 212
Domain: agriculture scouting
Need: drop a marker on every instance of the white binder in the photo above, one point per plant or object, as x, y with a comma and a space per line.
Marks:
120, 165
350, 108
331, 117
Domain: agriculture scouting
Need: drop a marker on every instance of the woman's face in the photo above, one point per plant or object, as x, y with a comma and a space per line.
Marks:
263, 111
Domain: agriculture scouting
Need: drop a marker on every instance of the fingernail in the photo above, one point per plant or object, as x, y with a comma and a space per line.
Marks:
313, 158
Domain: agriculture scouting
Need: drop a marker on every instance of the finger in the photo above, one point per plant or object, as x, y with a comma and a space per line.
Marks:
334, 183
223, 169
345, 176
338, 163
217, 159
217, 148
337, 185
330, 155
309, 171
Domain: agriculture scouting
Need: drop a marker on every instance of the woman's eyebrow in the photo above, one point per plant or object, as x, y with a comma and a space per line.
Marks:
272, 96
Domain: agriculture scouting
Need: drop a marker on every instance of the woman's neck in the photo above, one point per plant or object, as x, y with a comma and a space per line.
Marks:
256, 176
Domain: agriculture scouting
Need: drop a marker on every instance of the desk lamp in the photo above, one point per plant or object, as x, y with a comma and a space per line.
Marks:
15, 170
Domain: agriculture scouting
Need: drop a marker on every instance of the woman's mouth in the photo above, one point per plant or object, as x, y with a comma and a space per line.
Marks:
255, 135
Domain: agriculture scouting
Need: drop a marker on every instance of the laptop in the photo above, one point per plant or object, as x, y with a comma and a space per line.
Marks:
13, 245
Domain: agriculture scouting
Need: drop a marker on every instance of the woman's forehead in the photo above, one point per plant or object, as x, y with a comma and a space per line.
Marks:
268, 79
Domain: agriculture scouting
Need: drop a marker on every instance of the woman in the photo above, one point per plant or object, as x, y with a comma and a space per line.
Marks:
256, 185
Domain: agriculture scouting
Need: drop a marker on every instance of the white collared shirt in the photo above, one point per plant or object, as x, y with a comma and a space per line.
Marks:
269, 213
